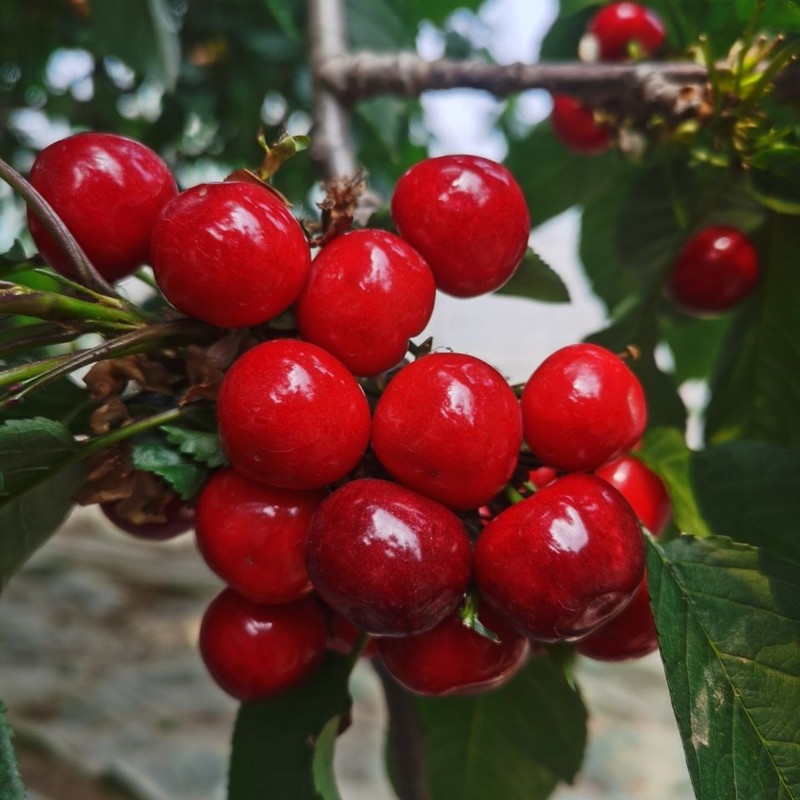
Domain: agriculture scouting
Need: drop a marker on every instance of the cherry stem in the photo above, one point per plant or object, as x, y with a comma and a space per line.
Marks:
41, 334
57, 229
512, 495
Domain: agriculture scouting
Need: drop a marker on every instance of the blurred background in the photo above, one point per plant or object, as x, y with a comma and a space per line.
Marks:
98, 664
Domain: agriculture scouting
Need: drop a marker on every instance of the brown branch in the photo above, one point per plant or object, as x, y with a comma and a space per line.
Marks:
652, 85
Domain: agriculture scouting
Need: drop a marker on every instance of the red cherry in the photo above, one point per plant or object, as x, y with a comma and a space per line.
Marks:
563, 561
631, 634
367, 294
717, 268
642, 488
179, 517
290, 415
253, 536
449, 426
581, 408
108, 190
389, 560
255, 651
541, 476
618, 25
230, 254
453, 659
343, 635
467, 217
576, 128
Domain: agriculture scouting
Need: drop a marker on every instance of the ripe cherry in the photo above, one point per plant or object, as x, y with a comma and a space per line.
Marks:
468, 219
449, 426
617, 26
454, 659
541, 476
642, 488
290, 415
256, 651
343, 635
367, 294
177, 517
717, 268
253, 536
576, 128
581, 408
564, 561
108, 190
389, 560
230, 254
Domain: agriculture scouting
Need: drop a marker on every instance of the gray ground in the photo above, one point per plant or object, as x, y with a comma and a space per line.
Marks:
109, 699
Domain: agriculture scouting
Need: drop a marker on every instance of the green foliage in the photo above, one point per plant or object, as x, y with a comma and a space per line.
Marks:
536, 280
39, 484
11, 787
728, 617
515, 743
203, 446
282, 747
153, 452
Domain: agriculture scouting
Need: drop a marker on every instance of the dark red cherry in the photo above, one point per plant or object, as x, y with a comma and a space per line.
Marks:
454, 659
367, 294
176, 518
290, 415
576, 128
618, 25
253, 536
343, 635
468, 219
108, 190
389, 560
642, 488
563, 561
230, 254
256, 651
581, 408
717, 268
449, 426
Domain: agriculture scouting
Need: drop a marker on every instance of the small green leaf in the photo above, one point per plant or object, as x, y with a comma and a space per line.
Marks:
11, 786
322, 767
153, 453
536, 280
202, 446
38, 488
728, 618
665, 452
515, 743
275, 741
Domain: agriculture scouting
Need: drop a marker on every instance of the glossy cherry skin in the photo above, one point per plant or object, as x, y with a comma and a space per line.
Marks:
256, 651
108, 190
389, 560
290, 415
575, 127
230, 254
253, 536
454, 659
717, 268
449, 426
468, 219
642, 488
541, 476
343, 635
179, 517
367, 294
581, 408
617, 25
564, 561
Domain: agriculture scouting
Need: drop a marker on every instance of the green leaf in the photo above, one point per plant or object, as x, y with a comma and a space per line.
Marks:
695, 344
143, 34
153, 453
322, 766
756, 385
11, 786
748, 491
38, 487
61, 400
282, 12
776, 192
515, 743
537, 280
665, 452
202, 446
275, 741
728, 617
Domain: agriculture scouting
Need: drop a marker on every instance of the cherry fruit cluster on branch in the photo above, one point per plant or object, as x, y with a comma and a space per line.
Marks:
416, 498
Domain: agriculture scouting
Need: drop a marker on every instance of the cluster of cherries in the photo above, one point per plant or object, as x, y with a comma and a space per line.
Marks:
369, 492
